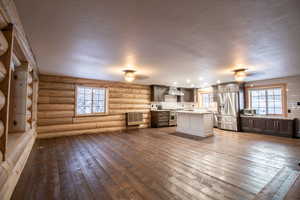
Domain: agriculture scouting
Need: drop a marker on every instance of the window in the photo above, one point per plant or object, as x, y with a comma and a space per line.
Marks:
207, 99
91, 100
266, 101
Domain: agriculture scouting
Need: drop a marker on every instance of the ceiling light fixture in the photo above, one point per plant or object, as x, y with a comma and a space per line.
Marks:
204, 85
218, 81
129, 75
188, 80
200, 78
240, 74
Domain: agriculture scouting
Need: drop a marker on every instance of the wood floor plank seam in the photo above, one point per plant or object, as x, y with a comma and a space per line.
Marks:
239, 135
279, 186
267, 162
101, 148
213, 177
146, 166
123, 172
153, 164
202, 171
208, 167
172, 177
109, 177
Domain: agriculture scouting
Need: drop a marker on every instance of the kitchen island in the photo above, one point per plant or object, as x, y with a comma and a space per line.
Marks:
195, 123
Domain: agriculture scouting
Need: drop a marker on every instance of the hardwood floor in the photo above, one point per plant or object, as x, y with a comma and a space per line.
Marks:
154, 164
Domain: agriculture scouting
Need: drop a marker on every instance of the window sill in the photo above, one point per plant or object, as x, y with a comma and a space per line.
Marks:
91, 115
268, 116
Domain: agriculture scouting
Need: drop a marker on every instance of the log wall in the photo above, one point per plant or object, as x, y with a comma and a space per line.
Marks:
56, 106
14, 147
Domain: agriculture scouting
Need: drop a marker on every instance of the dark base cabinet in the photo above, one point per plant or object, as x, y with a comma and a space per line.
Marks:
159, 119
278, 127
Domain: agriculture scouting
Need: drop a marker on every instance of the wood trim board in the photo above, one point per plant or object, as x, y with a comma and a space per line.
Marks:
283, 87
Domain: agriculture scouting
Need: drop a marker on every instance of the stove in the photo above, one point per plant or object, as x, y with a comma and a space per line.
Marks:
172, 118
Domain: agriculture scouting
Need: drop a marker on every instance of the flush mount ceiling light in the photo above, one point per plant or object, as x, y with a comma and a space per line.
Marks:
129, 75
240, 74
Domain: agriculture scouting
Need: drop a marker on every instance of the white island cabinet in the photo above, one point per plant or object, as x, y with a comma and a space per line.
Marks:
195, 123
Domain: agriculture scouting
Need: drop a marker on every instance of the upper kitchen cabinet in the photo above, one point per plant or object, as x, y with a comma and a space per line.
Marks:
189, 95
158, 93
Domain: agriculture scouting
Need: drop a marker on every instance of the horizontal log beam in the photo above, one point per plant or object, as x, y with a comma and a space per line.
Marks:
118, 111
98, 118
129, 106
77, 120
54, 121
55, 107
92, 82
128, 101
67, 127
56, 93
130, 90
57, 86
55, 114
125, 95
56, 100
79, 132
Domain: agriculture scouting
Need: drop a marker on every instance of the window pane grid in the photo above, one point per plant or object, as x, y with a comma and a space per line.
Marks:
266, 101
207, 99
91, 100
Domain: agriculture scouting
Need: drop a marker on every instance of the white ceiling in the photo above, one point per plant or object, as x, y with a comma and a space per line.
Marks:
167, 40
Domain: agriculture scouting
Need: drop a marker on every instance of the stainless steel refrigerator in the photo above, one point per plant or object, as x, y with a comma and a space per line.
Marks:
230, 100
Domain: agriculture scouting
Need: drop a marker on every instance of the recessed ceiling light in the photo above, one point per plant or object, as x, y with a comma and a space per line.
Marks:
188, 80
218, 81
200, 78
175, 83
192, 85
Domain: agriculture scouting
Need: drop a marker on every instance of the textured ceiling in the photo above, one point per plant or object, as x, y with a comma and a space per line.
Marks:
167, 41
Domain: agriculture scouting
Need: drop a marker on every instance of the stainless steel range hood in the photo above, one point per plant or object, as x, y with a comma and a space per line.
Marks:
174, 91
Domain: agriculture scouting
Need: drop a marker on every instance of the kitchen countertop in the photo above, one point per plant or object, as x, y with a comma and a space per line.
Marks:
193, 112
161, 110
267, 117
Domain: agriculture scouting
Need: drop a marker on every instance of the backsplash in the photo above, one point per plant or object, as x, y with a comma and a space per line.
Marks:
172, 105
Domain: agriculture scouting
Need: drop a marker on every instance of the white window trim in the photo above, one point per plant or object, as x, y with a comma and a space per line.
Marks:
201, 100
265, 87
106, 101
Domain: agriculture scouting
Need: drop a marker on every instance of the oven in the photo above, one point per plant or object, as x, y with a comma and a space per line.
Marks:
172, 118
